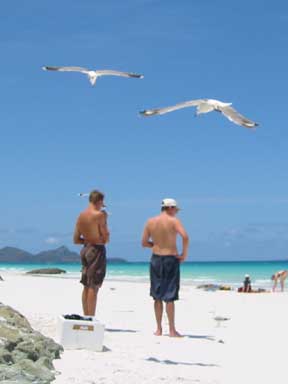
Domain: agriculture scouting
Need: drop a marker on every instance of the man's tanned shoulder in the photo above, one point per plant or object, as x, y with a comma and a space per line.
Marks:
99, 215
151, 220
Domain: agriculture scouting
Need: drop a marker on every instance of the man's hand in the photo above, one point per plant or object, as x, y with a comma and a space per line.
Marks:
149, 244
181, 257
77, 237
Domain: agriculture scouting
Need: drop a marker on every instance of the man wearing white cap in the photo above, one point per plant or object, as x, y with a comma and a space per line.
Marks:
160, 234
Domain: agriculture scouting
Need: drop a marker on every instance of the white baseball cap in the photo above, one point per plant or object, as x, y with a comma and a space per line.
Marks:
169, 203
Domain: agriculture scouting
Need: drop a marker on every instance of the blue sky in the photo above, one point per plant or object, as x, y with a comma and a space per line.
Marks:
60, 136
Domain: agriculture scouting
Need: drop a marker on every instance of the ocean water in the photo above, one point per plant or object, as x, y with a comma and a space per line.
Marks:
194, 273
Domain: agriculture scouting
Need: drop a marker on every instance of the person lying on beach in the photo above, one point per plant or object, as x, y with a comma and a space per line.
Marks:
281, 277
160, 234
91, 230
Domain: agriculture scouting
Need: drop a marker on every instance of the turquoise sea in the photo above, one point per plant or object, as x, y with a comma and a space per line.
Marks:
193, 273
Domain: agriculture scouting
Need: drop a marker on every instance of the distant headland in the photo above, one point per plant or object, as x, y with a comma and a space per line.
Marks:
59, 255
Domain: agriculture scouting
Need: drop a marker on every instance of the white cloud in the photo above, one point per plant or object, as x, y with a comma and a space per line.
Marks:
52, 240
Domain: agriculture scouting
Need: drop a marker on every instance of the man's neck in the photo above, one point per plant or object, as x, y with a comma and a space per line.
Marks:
92, 207
166, 213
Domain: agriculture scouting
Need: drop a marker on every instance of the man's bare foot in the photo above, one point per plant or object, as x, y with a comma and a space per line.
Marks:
175, 334
158, 332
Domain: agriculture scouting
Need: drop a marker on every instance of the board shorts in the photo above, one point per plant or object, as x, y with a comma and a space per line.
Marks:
93, 258
164, 278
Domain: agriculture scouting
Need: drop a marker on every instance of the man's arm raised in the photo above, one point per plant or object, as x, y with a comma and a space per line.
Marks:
146, 242
185, 239
104, 227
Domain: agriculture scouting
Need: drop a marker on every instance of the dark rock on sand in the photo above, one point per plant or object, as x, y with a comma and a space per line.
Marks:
46, 271
26, 356
1, 278
209, 287
214, 287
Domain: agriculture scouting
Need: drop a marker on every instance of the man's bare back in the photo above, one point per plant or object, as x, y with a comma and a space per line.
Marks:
162, 231
91, 227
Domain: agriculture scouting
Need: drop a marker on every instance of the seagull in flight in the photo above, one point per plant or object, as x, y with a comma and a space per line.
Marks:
93, 75
205, 106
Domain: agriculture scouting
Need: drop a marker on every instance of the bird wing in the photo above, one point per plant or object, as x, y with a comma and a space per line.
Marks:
109, 72
67, 69
236, 117
162, 111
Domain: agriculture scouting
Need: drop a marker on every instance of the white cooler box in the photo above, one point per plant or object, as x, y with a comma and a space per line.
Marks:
80, 334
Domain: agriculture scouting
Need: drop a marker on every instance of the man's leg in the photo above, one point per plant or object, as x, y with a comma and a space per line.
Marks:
92, 300
158, 308
282, 284
84, 301
170, 310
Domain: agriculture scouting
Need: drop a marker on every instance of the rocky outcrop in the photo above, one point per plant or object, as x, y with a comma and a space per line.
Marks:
59, 255
46, 271
26, 356
14, 255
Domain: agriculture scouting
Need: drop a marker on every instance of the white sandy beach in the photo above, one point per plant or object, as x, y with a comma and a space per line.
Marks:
255, 338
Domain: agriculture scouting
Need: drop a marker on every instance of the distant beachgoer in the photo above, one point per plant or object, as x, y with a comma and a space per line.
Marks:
160, 234
281, 277
91, 230
247, 284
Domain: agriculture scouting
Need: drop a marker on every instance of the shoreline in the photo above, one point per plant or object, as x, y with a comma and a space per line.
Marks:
185, 281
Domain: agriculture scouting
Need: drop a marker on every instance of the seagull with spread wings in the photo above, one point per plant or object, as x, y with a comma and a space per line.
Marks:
93, 75
205, 106
83, 194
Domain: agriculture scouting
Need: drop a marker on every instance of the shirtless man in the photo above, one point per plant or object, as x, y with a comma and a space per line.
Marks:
160, 234
281, 276
91, 230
